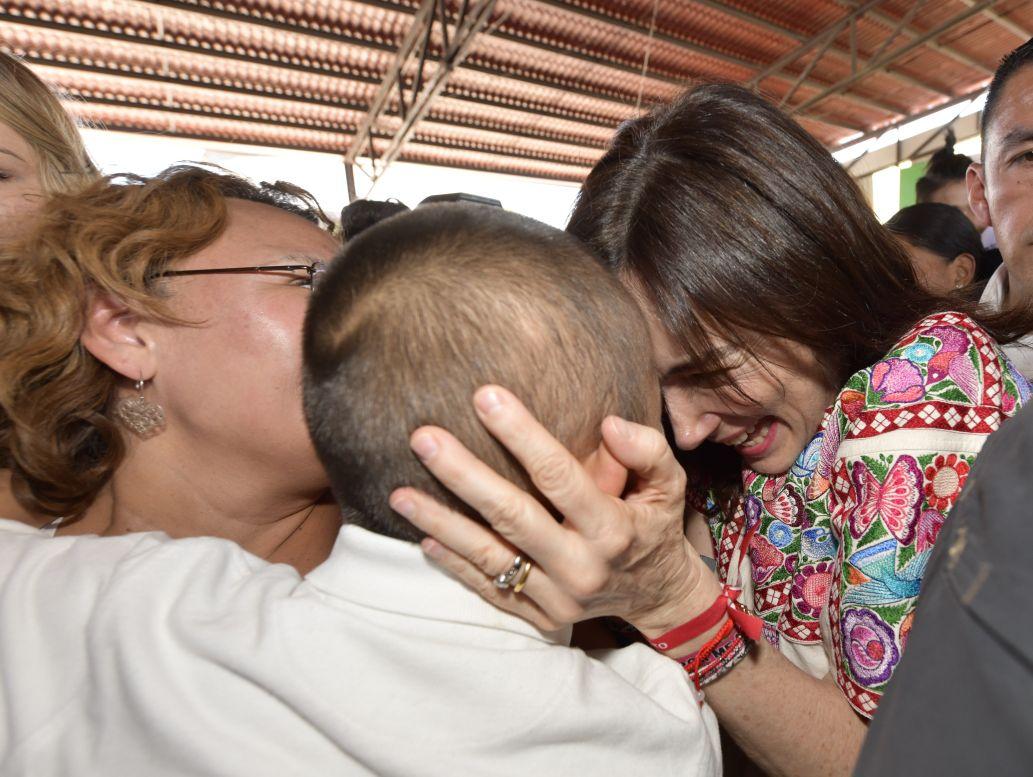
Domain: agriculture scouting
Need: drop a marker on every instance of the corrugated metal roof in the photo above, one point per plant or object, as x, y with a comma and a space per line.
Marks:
541, 88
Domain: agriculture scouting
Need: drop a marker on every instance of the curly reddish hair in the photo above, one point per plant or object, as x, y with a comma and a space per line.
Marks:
114, 236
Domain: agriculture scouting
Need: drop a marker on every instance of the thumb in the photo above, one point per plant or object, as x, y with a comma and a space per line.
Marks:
610, 475
645, 451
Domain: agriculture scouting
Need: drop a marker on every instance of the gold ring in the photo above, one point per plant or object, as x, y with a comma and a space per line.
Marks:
521, 579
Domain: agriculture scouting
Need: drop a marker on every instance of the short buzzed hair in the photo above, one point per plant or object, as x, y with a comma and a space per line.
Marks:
1011, 63
422, 309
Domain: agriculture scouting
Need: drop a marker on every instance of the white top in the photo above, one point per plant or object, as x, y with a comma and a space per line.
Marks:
142, 655
1019, 353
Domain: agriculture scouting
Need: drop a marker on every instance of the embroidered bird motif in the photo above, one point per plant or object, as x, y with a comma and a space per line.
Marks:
876, 579
952, 361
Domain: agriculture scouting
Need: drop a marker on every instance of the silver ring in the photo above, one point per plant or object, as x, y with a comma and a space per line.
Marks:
505, 580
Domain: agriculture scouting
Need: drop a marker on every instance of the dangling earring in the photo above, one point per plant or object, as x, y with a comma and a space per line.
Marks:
144, 419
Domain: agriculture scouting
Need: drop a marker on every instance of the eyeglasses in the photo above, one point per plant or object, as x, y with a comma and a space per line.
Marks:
314, 270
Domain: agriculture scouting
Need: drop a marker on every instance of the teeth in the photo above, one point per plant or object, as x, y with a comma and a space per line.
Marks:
756, 436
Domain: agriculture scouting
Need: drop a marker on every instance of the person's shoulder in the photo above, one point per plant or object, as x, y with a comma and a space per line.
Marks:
943, 326
944, 372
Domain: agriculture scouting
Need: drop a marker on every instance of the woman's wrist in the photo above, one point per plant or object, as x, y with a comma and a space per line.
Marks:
692, 592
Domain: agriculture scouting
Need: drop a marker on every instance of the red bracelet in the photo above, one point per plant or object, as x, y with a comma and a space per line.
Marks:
725, 604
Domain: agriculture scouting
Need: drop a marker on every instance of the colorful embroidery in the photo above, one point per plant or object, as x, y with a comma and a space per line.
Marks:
871, 646
851, 534
944, 479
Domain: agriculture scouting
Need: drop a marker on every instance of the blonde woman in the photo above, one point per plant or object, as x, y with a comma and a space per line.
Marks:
41, 152
150, 356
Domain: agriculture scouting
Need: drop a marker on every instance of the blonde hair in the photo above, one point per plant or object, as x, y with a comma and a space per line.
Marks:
31, 109
113, 236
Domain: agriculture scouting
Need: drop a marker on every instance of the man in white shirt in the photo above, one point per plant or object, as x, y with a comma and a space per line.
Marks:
144, 655
1001, 190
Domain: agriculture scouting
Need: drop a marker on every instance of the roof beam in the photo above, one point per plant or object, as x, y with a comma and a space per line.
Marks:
884, 60
416, 48
348, 135
701, 51
778, 29
257, 19
186, 48
1014, 28
941, 48
837, 49
509, 129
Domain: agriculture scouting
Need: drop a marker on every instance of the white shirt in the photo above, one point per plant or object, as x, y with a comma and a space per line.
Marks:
141, 655
1019, 353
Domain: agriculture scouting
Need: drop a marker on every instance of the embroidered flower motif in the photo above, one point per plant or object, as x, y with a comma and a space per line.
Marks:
811, 587
783, 501
944, 479
765, 557
752, 508
779, 534
818, 543
821, 480
1008, 403
808, 459
852, 403
898, 380
919, 353
870, 646
929, 524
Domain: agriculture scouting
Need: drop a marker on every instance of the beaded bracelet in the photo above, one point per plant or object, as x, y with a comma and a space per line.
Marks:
717, 657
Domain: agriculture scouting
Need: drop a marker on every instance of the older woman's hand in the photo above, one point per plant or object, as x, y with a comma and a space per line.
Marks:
624, 556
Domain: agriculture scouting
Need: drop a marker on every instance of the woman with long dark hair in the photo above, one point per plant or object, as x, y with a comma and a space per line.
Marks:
828, 405
945, 250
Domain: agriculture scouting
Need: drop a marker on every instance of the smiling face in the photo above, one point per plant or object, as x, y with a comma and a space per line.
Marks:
1002, 187
766, 406
232, 385
20, 187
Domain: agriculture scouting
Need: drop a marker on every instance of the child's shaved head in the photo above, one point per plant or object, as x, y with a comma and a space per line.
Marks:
423, 308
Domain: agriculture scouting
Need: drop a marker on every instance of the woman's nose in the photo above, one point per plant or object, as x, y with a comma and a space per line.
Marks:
691, 428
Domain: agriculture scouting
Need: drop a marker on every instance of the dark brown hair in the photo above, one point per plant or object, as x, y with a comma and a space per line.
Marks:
1011, 63
726, 213
945, 167
944, 230
422, 309
114, 236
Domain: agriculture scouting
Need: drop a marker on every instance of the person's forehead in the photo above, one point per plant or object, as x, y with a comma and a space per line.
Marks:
14, 147
257, 233
1014, 109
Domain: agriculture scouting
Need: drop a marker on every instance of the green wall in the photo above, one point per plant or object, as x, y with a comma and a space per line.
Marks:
908, 178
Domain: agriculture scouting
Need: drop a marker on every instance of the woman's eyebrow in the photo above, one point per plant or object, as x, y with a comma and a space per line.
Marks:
8, 151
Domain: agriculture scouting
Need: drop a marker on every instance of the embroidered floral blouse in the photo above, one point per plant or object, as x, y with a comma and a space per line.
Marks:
837, 546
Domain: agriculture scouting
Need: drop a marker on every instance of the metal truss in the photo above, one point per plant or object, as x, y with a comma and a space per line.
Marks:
880, 61
406, 91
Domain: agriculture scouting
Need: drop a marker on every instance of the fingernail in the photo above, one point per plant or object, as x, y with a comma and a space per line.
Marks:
488, 401
424, 445
621, 427
403, 506
431, 547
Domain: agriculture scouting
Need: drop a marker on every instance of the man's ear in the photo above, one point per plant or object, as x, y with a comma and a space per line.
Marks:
976, 183
963, 269
114, 335
609, 475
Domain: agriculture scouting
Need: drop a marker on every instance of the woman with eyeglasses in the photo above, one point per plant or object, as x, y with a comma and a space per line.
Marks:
150, 355
828, 406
